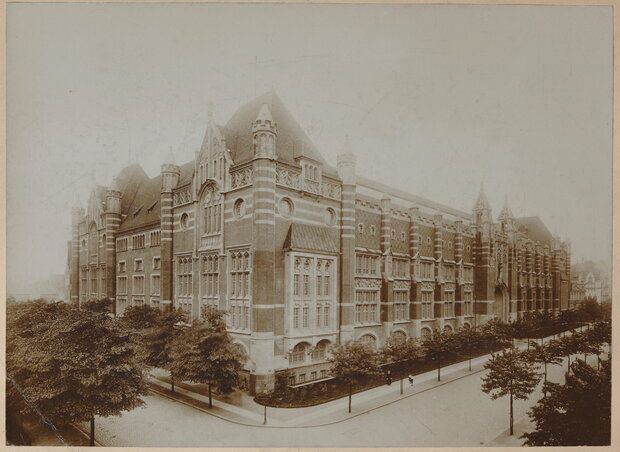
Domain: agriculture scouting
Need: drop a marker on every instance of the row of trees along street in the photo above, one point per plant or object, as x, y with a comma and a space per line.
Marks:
66, 364
354, 370
575, 413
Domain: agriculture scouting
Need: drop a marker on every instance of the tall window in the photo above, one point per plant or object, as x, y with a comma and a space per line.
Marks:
121, 285
84, 282
102, 275
239, 290
401, 268
138, 241
138, 285
93, 282
401, 303
366, 264
467, 303
311, 291
210, 279
212, 211
121, 244
155, 284
369, 340
366, 306
155, 238
448, 304
427, 304
184, 276
427, 270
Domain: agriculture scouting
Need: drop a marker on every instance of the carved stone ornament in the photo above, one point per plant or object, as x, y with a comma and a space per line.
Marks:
182, 197
428, 286
449, 286
364, 283
402, 284
241, 178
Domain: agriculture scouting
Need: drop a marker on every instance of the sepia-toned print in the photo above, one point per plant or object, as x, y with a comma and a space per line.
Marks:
279, 225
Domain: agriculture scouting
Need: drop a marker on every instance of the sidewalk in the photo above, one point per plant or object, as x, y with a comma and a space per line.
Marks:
250, 413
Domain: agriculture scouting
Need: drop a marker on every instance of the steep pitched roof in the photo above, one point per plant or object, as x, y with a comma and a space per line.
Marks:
291, 140
535, 229
312, 238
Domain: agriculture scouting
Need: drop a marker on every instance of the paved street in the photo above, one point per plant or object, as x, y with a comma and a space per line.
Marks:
454, 414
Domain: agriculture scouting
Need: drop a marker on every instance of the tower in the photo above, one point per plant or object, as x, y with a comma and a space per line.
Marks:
112, 223
346, 171
264, 253
482, 211
170, 173
264, 133
506, 218
77, 214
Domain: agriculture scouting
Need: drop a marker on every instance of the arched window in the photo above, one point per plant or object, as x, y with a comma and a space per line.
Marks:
393, 234
212, 210
399, 337
426, 333
319, 351
369, 340
298, 355
428, 240
93, 239
360, 228
373, 230
447, 329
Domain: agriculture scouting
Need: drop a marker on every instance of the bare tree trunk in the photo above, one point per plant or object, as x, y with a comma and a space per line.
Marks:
210, 401
439, 367
511, 416
544, 388
350, 394
172, 382
92, 431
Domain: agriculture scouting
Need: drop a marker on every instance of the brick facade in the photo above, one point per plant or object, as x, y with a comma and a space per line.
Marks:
301, 255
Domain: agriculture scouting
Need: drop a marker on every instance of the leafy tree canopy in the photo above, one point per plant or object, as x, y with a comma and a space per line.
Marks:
510, 373
577, 413
354, 361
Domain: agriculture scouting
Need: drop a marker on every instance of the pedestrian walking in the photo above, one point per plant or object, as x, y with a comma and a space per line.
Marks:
410, 378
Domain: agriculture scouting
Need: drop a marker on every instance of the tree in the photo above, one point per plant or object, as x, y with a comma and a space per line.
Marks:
74, 364
497, 334
468, 339
158, 340
397, 350
437, 346
577, 413
140, 317
549, 353
510, 373
568, 345
102, 305
354, 362
204, 353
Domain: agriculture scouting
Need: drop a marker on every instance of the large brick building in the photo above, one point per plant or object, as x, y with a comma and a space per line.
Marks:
302, 255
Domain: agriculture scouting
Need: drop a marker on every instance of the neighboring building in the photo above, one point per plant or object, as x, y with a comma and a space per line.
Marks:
577, 292
301, 255
594, 278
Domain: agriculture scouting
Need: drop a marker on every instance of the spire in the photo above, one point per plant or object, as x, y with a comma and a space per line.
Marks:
210, 111
506, 213
482, 203
264, 114
170, 157
76, 200
346, 148
114, 186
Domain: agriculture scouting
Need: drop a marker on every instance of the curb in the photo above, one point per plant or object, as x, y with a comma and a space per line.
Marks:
322, 424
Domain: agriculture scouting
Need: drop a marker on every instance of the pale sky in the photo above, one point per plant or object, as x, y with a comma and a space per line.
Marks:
435, 99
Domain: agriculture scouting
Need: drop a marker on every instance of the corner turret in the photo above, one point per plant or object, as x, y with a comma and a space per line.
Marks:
170, 173
264, 133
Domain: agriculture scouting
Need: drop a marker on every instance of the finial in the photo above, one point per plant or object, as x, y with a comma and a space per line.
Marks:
210, 110
114, 185
264, 114
170, 157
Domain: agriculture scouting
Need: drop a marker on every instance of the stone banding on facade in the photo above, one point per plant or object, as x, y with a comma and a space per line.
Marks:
220, 238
